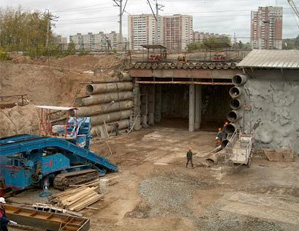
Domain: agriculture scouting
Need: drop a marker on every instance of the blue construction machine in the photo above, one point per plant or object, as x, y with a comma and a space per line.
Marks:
61, 160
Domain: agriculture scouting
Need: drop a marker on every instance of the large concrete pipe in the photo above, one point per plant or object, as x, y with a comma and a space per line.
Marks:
108, 87
113, 116
239, 79
224, 143
235, 104
112, 77
231, 128
96, 130
235, 92
234, 116
212, 160
104, 108
124, 76
106, 98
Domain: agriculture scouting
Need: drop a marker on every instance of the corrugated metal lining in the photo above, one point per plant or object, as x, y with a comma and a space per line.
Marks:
271, 59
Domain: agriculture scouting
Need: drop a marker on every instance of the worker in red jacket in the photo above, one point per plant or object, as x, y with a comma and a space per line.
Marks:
3, 219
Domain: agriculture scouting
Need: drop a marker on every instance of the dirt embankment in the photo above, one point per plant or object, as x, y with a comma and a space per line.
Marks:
56, 82
46, 82
18, 120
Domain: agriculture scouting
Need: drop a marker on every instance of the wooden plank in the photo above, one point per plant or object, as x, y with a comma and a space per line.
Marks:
88, 202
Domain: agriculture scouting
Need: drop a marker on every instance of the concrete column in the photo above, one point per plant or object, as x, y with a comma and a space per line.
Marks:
137, 105
191, 107
198, 106
151, 104
144, 105
158, 103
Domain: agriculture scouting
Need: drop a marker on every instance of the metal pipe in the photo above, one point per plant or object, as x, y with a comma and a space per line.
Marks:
106, 98
235, 92
104, 108
233, 116
113, 116
108, 87
235, 104
239, 79
96, 130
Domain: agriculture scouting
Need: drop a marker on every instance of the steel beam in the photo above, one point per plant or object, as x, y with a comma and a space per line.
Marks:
46, 220
185, 82
192, 74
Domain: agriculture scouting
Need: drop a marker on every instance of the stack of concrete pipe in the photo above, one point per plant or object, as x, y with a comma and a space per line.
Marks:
109, 100
235, 115
185, 65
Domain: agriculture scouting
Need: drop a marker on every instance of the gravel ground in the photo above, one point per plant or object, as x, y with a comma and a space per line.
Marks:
214, 219
167, 196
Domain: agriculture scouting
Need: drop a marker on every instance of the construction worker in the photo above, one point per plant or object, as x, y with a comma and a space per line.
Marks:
224, 131
116, 128
219, 134
3, 219
189, 158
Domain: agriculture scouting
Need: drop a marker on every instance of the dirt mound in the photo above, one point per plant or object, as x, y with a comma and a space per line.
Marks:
72, 62
18, 120
58, 82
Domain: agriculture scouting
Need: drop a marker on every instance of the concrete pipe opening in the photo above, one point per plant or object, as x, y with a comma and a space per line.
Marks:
89, 89
239, 79
231, 128
224, 143
212, 160
233, 116
235, 92
235, 104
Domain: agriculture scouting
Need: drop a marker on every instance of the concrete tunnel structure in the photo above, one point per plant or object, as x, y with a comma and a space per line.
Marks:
199, 96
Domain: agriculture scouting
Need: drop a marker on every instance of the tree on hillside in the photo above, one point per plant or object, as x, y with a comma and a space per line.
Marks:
203, 45
288, 44
24, 31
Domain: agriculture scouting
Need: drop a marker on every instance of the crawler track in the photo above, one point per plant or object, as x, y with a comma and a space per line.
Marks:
63, 180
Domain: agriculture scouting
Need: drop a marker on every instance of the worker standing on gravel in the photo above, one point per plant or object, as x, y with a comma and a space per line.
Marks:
3, 219
189, 158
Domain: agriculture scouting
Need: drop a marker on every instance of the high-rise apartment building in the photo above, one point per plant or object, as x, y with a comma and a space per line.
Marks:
175, 32
266, 28
142, 30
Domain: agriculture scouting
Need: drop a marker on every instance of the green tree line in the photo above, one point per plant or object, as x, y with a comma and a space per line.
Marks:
205, 43
27, 32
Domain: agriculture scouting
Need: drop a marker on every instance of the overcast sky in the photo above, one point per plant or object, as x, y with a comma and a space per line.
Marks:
217, 16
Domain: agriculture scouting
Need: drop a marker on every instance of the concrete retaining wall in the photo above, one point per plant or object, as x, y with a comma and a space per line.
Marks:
272, 108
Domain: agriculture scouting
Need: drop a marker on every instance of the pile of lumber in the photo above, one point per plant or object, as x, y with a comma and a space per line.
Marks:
78, 198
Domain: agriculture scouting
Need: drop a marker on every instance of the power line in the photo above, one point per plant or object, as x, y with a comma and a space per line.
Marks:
150, 5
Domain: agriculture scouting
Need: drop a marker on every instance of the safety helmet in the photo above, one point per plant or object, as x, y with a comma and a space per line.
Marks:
2, 200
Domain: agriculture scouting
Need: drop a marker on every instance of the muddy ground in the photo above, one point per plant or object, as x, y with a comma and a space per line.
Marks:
157, 192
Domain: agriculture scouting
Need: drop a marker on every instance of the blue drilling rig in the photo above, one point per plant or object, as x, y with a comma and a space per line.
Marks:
64, 160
